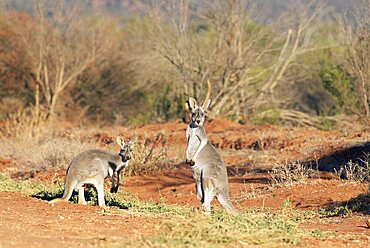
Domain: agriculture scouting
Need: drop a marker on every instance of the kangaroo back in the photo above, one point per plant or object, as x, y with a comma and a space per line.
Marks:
92, 167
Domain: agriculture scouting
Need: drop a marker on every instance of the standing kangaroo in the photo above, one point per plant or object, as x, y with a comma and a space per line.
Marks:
209, 170
92, 167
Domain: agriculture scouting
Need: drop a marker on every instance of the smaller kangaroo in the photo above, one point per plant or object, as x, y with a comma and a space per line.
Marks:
209, 170
92, 167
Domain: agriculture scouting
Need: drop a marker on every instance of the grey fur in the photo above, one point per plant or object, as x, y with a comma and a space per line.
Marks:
209, 170
92, 167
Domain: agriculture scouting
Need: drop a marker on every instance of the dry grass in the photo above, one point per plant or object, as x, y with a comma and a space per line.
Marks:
289, 174
47, 149
149, 155
25, 122
52, 149
355, 172
36, 145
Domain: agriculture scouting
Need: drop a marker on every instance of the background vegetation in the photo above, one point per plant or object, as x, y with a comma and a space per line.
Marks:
134, 62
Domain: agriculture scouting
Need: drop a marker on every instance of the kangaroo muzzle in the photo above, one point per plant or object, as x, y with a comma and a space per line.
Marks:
124, 157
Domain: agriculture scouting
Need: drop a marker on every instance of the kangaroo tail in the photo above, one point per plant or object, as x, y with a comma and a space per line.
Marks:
68, 190
225, 202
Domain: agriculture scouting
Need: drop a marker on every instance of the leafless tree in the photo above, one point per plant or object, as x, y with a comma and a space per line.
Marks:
60, 45
237, 56
217, 56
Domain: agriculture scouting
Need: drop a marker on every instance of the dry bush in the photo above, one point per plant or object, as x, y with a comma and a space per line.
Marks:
289, 174
28, 122
355, 172
41, 147
148, 155
60, 43
36, 145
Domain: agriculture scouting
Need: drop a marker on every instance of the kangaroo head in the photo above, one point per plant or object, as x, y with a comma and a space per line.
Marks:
198, 113
126, 149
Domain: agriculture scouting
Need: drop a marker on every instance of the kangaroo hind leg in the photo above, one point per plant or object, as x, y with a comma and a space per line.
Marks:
81, 195
208, 194
99, 185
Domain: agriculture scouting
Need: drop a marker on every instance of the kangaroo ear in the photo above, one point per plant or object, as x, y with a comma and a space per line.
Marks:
131, 142
120, 141
206, 104
193, 103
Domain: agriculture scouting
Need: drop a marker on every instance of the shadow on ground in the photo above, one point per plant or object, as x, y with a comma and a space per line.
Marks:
358, 154
90, 196
358, 204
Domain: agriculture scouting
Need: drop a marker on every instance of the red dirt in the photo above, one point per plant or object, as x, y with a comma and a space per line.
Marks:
247, 150
177, 187
29, 222
34, 223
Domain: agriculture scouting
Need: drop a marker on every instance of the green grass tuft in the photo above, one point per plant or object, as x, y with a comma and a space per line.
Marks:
27, 187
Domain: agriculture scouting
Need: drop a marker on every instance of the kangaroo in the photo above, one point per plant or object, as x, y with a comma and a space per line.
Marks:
209, 170
92, 167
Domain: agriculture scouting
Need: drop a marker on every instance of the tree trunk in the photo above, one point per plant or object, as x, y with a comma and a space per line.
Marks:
52, 106
37, 101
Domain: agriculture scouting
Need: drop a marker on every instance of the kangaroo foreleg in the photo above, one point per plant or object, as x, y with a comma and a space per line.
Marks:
113, 188
203, 142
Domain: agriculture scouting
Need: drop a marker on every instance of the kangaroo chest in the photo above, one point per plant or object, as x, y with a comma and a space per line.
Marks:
195, 142
113, 167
